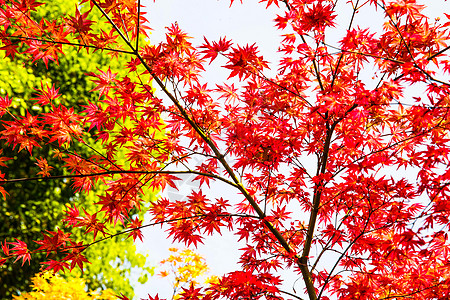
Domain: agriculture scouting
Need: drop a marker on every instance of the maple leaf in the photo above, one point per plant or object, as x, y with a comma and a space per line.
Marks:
5, 248
47, 95
75, 257
191, 293
29, 5
43, 165
135, 224
244, 62
80, 23
211, 51
109, 5
53, 241
20, 250
318, 17
39, 50
5, 102
162, 180
72, 216
183, 231
2, 159
92, 224
2, 189
76, 260
105, 81
96, 116
270, 2
5, 17
55, 265
10, 50
163, 273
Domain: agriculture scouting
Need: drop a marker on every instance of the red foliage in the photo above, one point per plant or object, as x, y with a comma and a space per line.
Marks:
318, 155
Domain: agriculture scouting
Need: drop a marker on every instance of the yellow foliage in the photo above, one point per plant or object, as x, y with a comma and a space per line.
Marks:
185, 265
47, 286
212, 280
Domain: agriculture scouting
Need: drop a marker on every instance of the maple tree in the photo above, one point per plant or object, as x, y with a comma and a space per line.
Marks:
340, 176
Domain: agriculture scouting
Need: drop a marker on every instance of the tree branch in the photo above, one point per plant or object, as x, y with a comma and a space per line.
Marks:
5, 181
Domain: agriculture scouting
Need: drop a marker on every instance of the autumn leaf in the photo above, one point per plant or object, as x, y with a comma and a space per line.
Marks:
20, 251
43, 165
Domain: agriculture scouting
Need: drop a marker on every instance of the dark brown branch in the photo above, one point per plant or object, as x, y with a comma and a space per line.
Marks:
303, 260
365, 54
438, 53
342, 54
117, 172
69, 44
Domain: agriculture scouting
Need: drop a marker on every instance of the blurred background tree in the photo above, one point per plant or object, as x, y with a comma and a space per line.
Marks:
47, 285
32, 208
185, 268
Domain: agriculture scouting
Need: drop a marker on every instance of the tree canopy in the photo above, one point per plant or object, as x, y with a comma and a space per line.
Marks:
338, 160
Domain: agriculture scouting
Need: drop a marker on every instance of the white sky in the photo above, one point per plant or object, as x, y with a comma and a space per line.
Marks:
246, 23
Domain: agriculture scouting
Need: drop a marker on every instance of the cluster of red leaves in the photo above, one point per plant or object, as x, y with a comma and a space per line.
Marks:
191, 218
236, 285
316, 153
52, 242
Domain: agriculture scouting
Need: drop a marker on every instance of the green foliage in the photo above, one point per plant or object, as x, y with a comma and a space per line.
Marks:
32, 208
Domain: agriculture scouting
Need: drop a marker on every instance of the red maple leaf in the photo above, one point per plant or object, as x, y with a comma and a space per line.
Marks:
46, 95
20, 251
135, 224
75, 257
104, 82
55, 265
